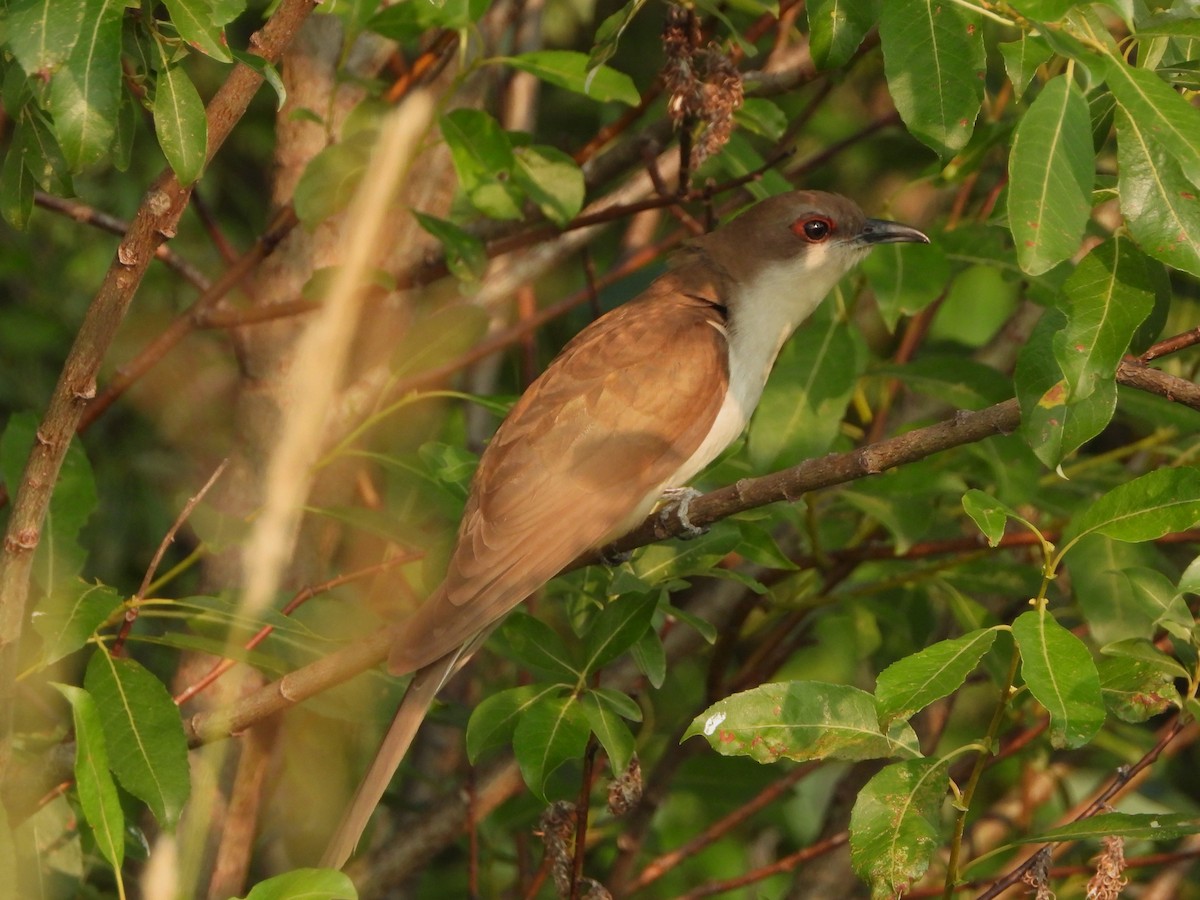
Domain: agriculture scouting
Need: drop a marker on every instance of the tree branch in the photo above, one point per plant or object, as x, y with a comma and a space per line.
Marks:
154, 223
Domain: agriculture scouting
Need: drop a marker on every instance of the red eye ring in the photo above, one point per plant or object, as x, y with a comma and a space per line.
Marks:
813, 229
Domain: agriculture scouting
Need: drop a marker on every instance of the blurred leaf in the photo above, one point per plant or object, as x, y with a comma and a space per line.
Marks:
1106, 298
42, 33
1102, 590
552, 180
495, 718
621, 704
572, 70
738, 158
660, 563
895, 827
618, 627
466, 256
761, 116
1022, 58
612, 733
1162, 115
906, 279
1045, 10
978, 304
535, 644
93, 781
331, 177
1135, 690
805, 399
608, 35
1059, 672
651, 658
66, 620
1144, 651
1144, 509
483, 158
86, 91
16, 182
1134, 826
956, 381
269, 73
1051, 170
552, 731
910, 684
305, 884
143, 732
408, 21
1157, 200
934, 59
801, 720
179, 120
836, 29
195, 24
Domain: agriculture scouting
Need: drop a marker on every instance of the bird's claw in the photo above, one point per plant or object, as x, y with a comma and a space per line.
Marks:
679, 502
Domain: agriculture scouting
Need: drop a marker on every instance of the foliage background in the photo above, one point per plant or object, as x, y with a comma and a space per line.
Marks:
187, 185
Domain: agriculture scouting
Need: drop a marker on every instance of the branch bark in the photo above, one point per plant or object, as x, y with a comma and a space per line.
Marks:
153, 224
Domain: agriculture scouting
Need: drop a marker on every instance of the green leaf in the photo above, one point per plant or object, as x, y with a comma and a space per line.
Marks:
934, 59
1144, 651
801, 409
179, 120
331, 177
661, 563
912, 683
1162, 115
1157, 503
146, 746
552, 731
1135, 690
620, 624
1045, 10
305, 884
494, 720
836, 29
17, 184
407, 21
801, 720
93, 781
761, 116
86, 91
1132, 826
608, 35
1051, 171
1053, 421
535, 644
552, 180
1158, 202
988, 513
651, 658
612, 733
571, 70
895, 827
952, 379
466, 256
193, 20
42, 33
65, 620
484, 160
621, 704
269, 73
1021, 60
1101, 587
906, 283
1062, 677
1107, 297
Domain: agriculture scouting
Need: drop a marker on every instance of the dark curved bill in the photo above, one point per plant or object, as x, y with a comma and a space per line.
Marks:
880, 231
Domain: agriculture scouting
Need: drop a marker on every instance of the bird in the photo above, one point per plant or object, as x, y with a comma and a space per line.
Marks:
632, 408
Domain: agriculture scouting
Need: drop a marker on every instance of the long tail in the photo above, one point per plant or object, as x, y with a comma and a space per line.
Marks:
422, 689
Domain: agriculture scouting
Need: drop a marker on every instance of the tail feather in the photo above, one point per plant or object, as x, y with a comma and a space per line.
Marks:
417, 699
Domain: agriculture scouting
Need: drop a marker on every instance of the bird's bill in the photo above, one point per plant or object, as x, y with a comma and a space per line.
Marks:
880, 231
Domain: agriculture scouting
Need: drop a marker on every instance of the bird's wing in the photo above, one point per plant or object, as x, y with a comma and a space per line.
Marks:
580, 459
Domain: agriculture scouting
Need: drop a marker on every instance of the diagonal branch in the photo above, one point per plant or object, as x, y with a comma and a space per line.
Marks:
154, 223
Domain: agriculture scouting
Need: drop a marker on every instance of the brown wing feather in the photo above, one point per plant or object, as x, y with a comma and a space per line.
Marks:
579, 459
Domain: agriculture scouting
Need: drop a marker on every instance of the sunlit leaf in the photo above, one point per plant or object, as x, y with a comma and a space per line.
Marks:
571, 70
552, 180
1146, 508
912, 683
836, 29
179, 120
195, 24
1060, 673
305, 884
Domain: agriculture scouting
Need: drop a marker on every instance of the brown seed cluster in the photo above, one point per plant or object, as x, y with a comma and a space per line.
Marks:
704, 86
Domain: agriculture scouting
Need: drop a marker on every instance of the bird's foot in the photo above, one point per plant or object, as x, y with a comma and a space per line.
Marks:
612, 557
679, 502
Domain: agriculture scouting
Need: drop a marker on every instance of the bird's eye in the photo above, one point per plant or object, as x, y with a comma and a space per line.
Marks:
813, 229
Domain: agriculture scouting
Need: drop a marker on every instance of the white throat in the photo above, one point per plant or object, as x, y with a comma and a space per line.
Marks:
765, 312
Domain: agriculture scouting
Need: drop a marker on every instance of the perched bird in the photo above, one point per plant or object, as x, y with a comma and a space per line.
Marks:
636, 404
